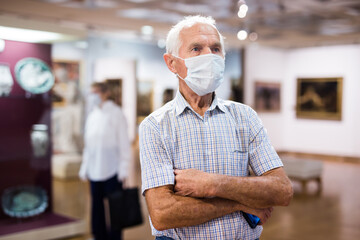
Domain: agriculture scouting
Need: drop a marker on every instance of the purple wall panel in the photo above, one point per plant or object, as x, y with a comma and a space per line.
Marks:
18, 113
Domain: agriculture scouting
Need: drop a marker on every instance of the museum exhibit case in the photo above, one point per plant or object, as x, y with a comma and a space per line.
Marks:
25, 146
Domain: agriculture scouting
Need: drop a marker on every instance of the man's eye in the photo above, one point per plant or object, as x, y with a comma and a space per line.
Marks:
195, 49
216, 49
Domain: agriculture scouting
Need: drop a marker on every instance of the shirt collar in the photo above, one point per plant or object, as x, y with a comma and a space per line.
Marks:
181, 104
107, 104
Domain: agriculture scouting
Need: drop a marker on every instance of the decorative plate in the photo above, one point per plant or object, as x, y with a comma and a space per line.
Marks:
33, 75
24, 201
6, 80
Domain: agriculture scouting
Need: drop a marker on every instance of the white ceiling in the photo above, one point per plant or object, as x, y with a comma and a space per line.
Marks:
279, 23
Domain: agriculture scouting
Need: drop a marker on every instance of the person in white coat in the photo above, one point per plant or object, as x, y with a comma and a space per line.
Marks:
106, 156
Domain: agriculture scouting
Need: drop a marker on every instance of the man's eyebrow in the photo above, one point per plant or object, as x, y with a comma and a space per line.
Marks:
195, 44
217, 44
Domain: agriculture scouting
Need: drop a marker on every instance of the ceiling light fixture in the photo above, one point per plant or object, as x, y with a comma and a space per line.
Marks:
147, 30
2, 45
253, 36
243, 9
27, 35
242, 35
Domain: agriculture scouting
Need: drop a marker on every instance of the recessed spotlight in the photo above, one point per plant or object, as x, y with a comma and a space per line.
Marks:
253, 36
147, 30
243, 8
242, 35
241, 14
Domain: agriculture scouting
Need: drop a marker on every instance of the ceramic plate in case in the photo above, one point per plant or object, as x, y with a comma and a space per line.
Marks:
24, 201
33, 75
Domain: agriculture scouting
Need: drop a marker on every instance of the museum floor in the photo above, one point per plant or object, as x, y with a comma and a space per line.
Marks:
333, 214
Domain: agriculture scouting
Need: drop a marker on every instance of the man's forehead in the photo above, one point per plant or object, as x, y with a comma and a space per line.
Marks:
198, 29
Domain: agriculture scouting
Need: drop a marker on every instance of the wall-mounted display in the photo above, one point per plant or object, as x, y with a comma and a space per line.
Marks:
24, 201
67, 82
145, 94
34, 75
267, 97
115, 86
237, 90
168, 95
68, 107
6, 80
319, 98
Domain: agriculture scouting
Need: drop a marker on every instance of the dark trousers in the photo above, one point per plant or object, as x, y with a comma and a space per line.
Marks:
99, 190
167, 238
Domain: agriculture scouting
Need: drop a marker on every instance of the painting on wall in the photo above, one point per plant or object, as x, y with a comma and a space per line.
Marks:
67, 107
319, 98
237, 90
168, 95
115, 86
145, 92
67, 82
267, 96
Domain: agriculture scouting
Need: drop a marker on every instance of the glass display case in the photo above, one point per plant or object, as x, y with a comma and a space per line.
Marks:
26, 151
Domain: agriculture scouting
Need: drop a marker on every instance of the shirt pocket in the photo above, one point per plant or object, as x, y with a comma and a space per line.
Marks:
231, 156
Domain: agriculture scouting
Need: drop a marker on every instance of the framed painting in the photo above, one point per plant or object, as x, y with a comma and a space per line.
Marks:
67, 82
145, 93
267, 97
115, 85
67, 112
168, 95
319, 98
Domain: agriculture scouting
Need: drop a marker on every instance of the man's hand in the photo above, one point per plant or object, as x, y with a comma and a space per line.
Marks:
193, 183
264, 214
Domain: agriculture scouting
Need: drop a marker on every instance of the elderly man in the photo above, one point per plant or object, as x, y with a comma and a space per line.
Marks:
197, 149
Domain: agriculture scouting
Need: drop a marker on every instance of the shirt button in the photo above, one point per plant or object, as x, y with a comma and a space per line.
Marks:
208, 152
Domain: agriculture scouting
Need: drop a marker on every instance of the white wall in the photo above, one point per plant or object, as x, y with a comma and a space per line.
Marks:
265, 65
305, 135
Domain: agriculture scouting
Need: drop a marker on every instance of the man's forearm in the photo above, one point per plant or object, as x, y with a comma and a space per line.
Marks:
271, 189
168, 210
257, 192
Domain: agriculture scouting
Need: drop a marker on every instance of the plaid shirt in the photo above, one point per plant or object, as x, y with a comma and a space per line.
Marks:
227, 140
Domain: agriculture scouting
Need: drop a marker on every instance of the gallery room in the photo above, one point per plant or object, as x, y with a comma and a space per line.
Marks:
289, 74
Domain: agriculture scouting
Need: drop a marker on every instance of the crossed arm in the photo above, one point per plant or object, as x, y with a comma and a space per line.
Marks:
198, 197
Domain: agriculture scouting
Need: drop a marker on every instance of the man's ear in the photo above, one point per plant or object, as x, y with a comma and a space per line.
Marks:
170, 62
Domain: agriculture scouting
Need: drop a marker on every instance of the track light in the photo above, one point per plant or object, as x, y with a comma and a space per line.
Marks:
243, 8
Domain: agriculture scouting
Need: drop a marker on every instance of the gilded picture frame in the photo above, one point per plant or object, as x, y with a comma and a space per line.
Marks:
319, 98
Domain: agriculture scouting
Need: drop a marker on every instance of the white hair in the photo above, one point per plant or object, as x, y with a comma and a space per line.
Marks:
173, 41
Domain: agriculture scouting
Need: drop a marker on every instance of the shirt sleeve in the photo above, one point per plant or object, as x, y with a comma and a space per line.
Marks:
262, 155
156, 164
85, 155
124, 146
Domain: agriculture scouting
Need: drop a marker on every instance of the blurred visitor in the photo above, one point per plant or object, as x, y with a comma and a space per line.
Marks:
106, 156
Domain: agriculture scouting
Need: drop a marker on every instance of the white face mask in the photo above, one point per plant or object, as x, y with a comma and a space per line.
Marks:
205, 73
